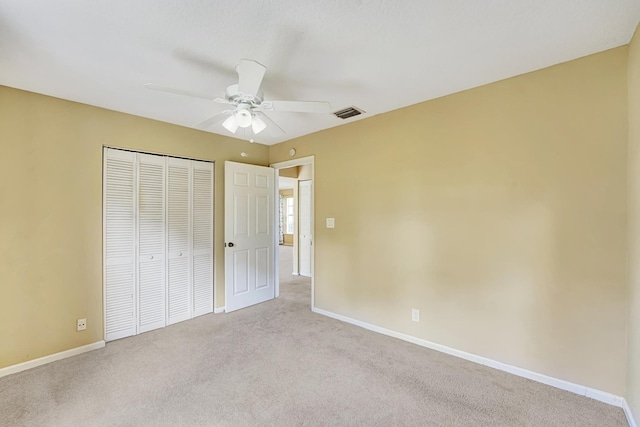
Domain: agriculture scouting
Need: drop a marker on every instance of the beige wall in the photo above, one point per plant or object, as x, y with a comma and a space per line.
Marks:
305, 172
633, 339
299, 172
288, 239
289, 172
51, 213
499, 212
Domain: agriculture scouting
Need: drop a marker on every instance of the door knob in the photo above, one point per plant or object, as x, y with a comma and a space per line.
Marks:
150, 256
179, 253
231, 244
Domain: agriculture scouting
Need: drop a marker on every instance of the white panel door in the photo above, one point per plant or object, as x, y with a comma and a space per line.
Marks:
249, 237
151, 242
119, 243
305, 233
179, 259
202, 237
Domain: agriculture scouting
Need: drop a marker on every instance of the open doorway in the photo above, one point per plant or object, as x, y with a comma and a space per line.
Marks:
295, 230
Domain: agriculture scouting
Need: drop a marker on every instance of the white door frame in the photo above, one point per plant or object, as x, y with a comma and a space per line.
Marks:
306, 235
309, 160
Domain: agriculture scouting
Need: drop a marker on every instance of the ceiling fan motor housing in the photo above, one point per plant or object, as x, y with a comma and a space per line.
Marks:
234, 96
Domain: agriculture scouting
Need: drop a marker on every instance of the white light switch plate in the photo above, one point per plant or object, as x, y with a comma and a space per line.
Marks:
331, 223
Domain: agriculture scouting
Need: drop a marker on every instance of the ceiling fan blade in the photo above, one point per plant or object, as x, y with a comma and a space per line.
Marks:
161, 88
250, 75
167, 89
215, 119
301, 106
272, 128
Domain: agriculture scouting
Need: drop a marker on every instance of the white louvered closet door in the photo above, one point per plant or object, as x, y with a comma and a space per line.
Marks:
202, 237
119, 244
158, 241
179, 259
151, 242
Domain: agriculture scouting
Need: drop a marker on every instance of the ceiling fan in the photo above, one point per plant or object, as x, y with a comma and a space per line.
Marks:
248, 102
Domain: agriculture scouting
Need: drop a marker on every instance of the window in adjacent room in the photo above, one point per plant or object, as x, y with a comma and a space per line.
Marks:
289, 215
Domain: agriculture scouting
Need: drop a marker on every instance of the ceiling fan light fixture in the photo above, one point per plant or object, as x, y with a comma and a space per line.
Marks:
258, 125
243, 117
230, 124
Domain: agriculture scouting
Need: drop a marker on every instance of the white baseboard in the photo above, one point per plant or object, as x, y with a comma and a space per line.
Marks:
14, 369
602, 396
628, 413
295, 273
219, 310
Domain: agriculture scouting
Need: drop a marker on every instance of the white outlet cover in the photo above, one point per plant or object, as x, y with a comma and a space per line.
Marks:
331, 223
415, 314
81, 324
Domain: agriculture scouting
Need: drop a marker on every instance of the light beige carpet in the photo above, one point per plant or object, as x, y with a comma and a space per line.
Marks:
278, 363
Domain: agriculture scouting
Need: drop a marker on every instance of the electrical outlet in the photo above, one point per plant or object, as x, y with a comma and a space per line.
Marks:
415, 314
81, 324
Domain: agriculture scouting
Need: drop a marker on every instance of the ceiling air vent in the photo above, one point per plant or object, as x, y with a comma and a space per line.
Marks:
345, 113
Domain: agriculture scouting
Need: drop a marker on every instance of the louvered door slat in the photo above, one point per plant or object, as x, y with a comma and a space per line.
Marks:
202, 284
119, 245
179, 290
178, 239
151, 242
202, 238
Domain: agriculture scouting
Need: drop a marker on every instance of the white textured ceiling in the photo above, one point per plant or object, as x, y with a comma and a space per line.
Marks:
374, 54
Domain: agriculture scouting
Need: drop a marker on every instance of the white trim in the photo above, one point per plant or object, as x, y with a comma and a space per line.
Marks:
14, 369
593, 393
602, 396
301, 184
219, 310
294, 162
308, 160
628, 413
276, 234
105, 151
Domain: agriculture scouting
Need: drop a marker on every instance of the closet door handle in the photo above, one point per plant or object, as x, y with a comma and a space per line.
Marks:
179, 253
150, 256
231, 244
